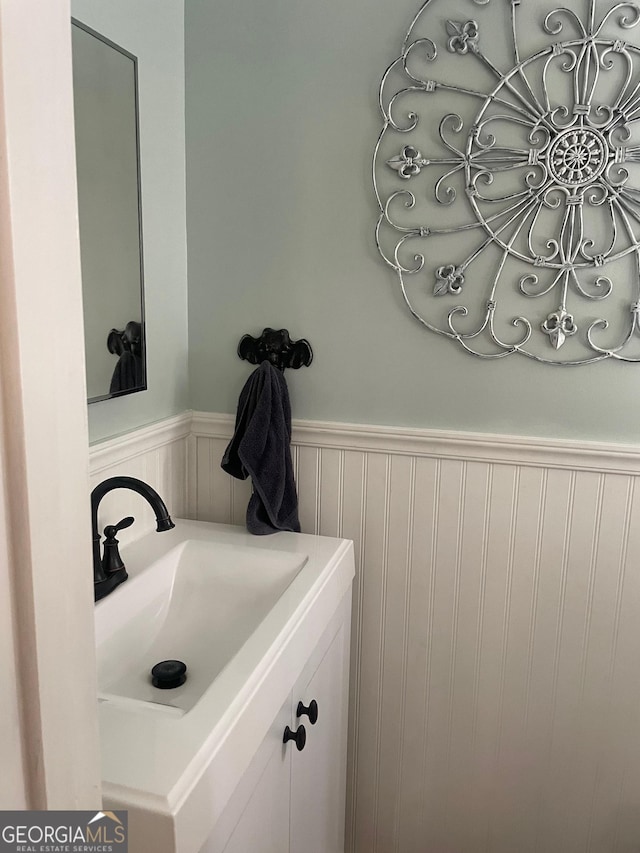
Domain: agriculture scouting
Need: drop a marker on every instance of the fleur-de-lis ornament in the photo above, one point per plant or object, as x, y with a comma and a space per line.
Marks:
559, 325
464, 37
449, 279
408, 163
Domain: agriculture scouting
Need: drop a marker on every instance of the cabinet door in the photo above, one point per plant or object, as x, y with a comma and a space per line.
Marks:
256, 820
318, 773
264, 825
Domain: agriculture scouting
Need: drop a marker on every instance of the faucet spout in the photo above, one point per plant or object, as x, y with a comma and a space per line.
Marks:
105, 582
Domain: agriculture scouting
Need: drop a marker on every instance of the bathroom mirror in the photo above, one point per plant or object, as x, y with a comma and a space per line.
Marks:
105, 87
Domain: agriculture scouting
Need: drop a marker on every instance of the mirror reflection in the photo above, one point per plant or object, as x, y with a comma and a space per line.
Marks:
109, 204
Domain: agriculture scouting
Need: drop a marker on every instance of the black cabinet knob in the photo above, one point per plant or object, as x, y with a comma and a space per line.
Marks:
311, 711
300, 737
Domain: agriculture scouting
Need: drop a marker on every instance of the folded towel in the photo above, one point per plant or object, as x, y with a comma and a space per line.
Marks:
261, 448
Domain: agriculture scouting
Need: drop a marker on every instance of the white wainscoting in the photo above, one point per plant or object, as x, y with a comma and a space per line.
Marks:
496, 644
495, 685
156, 454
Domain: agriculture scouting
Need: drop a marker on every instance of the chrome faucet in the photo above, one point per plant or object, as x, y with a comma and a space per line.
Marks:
109, 570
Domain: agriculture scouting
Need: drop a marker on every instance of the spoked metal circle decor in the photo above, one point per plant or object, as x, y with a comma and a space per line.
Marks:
507, 174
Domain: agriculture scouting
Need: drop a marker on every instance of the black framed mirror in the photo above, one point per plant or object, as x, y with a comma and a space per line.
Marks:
105, 85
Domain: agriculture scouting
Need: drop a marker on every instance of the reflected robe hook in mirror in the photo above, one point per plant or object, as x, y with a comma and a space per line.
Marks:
127, 340
276, 346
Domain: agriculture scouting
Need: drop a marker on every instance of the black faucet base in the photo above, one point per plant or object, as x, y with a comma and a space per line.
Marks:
103, 588
103, 585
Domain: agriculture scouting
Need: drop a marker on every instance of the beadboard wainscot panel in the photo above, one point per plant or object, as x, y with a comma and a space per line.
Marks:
495, 686
157, 454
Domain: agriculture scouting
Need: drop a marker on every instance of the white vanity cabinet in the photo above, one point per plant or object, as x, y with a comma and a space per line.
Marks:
290, 800
262, 623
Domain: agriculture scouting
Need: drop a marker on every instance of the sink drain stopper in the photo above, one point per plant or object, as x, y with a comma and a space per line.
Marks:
168, 674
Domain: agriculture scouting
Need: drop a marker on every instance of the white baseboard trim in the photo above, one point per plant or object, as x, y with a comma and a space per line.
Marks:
603, 457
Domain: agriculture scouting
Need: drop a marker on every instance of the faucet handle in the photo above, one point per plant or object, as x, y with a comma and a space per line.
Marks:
111, 560
111, 529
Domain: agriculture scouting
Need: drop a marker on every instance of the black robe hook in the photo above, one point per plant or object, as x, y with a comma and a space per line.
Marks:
276, 346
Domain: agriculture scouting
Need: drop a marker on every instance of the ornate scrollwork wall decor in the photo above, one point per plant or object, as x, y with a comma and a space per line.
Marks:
507, 174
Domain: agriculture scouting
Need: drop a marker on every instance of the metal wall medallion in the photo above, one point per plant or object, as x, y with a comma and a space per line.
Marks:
507, 174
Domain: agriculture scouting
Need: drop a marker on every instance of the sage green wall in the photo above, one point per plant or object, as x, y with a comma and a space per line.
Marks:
153, 30
281, 117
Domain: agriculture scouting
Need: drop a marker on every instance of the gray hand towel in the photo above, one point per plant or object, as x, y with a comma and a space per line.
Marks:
261, 448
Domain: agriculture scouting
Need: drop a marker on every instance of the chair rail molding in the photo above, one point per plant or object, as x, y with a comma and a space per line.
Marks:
129, 445
604, 457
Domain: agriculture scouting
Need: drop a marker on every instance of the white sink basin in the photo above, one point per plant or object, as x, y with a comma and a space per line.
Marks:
198, 604
244, 613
